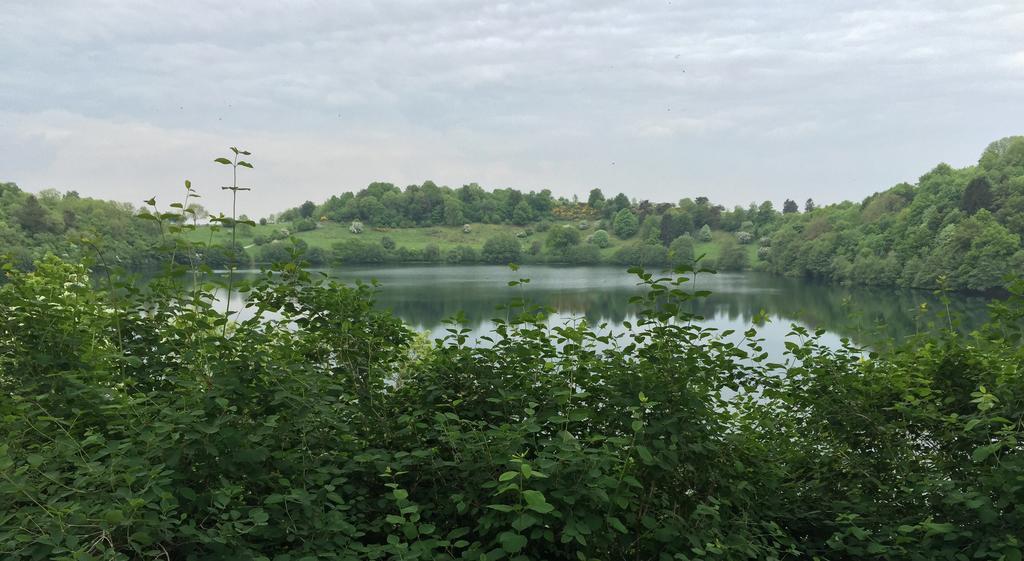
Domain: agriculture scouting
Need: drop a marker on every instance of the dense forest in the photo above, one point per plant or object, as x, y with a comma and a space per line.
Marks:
68, 225
959, 229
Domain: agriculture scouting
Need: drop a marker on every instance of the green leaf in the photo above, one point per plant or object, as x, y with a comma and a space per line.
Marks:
645, 454
400, 494
34, 460
534, 497
983, 452
524, 521
223, 161
500, 508
508, 475
259, 516
617, 524
113, 517
512, 542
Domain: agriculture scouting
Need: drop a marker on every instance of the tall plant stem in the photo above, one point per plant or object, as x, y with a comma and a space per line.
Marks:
234, 225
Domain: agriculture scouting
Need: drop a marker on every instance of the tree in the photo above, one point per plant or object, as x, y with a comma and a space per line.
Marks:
625, 224
562, 237
705, 233
596, 198
307, 209
680, 251
387, 242
977, 195
502, 248
809, 205
453, 212
731, 256
673, 225
32, 217
789, 207
522, 213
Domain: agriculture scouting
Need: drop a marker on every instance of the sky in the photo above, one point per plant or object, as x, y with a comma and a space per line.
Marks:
740, 101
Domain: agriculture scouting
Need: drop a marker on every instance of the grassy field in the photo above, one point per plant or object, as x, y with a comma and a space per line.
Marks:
444, 237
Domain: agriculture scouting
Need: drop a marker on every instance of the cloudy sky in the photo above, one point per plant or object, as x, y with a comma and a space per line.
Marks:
738, 100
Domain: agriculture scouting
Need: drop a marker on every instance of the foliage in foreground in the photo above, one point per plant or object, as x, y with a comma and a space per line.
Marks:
135, 427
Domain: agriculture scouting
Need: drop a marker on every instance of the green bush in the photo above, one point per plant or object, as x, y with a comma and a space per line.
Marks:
600, 239
680, 251
304, 225
501, 248
562, 237
641, 254
138, 425
732, 256
357, 251
462, 254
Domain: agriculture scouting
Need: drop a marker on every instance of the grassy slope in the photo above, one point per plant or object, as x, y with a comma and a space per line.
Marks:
445, 237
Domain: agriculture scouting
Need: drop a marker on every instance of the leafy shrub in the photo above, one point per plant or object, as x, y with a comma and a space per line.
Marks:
583, 225
387, 242
680, 251
600, 239
641, 254
732, 256
763, 253
221, 256
704, 234
544, 225
431, 253
562, 237
462, 254
466, 229
304, 225
259, 240
134, 427
744, 238
357, 251
581, 254
356, 227
275, 253
501, 248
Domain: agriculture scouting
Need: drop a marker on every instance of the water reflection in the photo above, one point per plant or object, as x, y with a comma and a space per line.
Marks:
423, 296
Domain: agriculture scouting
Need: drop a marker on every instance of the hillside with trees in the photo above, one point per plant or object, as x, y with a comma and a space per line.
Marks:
955, 228
72, 226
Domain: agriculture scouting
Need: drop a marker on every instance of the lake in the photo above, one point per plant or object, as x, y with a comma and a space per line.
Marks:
424, 295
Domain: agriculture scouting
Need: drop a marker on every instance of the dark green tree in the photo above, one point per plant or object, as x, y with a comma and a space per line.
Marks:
977, 195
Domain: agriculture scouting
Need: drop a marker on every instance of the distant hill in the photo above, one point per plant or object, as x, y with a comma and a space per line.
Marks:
955, 228
34, 224
959, 228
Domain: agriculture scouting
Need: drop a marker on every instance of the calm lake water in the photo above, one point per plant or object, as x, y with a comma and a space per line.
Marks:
424, 295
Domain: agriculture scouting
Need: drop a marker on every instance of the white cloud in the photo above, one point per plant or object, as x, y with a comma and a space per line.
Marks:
761, 99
